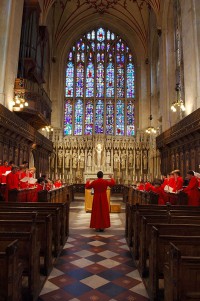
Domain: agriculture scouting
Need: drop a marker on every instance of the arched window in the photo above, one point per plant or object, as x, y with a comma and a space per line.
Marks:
100, 86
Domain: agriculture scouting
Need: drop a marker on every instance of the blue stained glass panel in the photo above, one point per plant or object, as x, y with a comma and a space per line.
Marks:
130, 85
99, 114
68, 118
120, 118
79, 80
110, 118
100, 80
110, 80
130, 119
90, 80
78, 118
69, 80
120, 80
100, 34
89, 117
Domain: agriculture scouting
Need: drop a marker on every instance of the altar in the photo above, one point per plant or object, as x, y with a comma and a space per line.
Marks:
89, 199
93, 175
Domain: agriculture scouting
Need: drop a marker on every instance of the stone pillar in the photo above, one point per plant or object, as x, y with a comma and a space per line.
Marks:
10, 30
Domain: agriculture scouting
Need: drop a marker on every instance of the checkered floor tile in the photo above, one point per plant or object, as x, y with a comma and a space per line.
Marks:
93, 266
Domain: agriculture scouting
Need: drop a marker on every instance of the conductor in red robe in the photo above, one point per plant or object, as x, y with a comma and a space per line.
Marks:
192, 190
100, 216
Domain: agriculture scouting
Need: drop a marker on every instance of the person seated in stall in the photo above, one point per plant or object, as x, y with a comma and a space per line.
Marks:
157, 188
147, 186
22, 175
48, 182
141, 185
40, 184
192, 189
178, 181
57, 183
4, 171
12, 181
169, 183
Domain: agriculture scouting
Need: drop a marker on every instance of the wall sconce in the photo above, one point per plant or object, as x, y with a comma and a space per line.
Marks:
19, 101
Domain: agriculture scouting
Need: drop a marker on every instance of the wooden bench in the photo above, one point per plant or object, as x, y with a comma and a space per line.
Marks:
145, 234
29, 255
56, 219
136, 226
182, 272
10, 272
161, 236
64, 212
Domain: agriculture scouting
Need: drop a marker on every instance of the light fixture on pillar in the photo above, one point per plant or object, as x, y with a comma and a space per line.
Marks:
178, 104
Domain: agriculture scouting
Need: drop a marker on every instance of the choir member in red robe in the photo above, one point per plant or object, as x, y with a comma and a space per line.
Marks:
12, 181
178, 181
192, 190
3, 169
100, 216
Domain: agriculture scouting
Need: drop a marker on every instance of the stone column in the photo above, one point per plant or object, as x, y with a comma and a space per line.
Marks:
10, 30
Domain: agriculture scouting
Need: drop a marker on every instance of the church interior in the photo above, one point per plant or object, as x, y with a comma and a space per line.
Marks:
110, 85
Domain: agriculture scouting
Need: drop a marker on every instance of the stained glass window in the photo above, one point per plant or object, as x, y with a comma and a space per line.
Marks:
120, 118
78, 118
79, 80
100, 86
68, 118
99, 114
90, 80
89, 112
110, 80
110, 117
130, 118
69, 80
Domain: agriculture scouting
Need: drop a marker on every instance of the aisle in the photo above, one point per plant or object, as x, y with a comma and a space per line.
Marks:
94, 266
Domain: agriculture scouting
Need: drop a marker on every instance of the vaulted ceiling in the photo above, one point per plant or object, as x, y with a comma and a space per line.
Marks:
72, 14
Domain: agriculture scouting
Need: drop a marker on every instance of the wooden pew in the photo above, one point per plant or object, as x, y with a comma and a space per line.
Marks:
29, 255
182, 272
44, 227
136, 226
145, 234
56, 219
64, 212
161, 236
10, 272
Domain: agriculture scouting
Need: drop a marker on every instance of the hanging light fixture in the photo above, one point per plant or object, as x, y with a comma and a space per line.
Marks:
150, 130
19, 101
47, 128
178, 104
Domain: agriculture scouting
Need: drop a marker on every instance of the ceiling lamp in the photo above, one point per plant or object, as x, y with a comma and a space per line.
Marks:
150, 129
178, 104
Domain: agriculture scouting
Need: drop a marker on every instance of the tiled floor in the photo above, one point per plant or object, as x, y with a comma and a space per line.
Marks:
94, 266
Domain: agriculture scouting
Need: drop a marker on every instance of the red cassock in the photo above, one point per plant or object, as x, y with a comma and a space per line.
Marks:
12, 182
100, 217
3, 170
161, 194
178, 184
193, 192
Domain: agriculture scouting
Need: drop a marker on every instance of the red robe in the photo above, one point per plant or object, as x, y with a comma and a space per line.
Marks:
12, 182
178, 184
3, 170
100, 217
193, 192
161, 194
